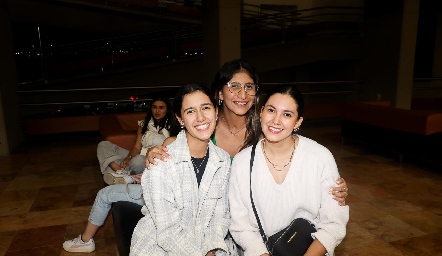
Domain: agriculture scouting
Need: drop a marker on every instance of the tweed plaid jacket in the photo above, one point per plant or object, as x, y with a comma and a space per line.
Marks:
180, 217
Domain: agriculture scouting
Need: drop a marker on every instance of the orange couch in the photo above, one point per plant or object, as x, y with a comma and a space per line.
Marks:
120, 128
51, 125
413, 133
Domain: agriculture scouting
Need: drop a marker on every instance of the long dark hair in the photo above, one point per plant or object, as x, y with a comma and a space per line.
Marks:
163, 123
178, 102
224, 75
292, 91
286, 89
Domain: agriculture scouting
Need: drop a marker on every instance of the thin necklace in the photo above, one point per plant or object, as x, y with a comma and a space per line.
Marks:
274, 165
197, 168
228, 128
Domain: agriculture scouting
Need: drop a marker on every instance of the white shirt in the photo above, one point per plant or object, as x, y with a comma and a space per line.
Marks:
152, 137
303, 194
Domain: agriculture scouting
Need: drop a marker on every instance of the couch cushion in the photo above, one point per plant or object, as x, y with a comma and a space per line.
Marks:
414, 121
121, 128
129, 121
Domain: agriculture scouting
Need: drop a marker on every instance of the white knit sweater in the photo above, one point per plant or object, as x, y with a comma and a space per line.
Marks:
303, 194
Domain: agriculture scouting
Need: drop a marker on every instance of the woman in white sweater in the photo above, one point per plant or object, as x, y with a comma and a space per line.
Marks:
291, 179
121, 166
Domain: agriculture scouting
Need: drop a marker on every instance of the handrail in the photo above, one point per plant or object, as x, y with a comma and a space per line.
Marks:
428, 86
175, 87
321, 82
334, 92
427, 79
100, 89
77, 102
119, 101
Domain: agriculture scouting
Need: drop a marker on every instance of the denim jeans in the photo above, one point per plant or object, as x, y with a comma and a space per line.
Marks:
108, 152
110, 194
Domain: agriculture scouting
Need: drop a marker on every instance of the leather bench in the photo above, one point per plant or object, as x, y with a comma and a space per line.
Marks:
125, 216
412, 133
120, 128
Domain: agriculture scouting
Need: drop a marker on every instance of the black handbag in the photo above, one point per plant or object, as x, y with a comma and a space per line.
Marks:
293, 240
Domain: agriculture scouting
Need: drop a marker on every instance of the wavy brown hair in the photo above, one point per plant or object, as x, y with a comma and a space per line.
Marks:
224, 75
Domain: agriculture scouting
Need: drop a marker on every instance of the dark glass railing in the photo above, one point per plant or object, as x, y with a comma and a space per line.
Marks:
46, 64
78, 102
101, 56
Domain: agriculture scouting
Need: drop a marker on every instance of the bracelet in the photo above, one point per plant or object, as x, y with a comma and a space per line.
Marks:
130, 157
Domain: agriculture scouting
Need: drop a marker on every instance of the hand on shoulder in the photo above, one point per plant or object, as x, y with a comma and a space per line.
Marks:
169, 140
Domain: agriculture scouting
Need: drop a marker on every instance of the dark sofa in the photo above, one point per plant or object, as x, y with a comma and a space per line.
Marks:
408, 133
125, 216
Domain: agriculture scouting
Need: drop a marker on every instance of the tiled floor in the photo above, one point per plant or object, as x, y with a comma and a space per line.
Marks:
48, 187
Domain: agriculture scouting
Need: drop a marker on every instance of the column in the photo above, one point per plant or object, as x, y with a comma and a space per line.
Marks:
389, 42
10, 126
437, 60
404, 88
221, 34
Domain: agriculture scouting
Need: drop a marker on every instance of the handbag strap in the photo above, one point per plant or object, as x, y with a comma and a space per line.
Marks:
261, 230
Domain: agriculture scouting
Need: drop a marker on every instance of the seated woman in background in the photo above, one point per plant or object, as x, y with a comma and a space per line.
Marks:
291, 179
186, 211
117, 164
149, 134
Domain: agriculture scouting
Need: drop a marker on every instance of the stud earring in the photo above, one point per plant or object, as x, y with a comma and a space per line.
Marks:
216, 118
220, 102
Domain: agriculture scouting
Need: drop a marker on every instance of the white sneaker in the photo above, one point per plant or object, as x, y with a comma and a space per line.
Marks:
119, 177
77, 245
